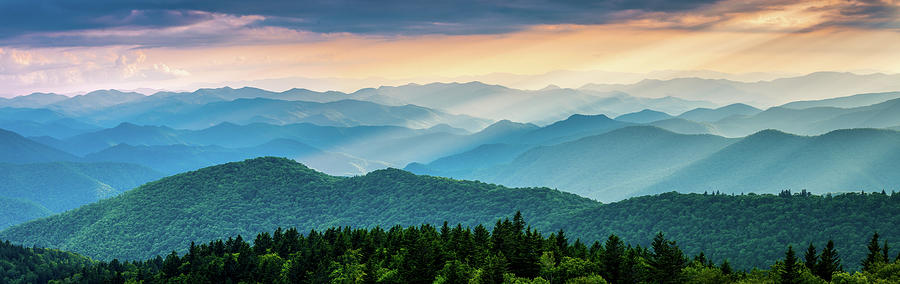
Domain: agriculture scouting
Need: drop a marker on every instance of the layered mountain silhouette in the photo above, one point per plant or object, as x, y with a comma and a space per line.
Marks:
644, 116
647, 160
18, 149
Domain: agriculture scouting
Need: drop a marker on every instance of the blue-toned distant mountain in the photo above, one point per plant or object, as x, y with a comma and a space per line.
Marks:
573, 127
93, 101
644, 116
713, 115
813, 121
57, 129
464, 164
503, 149
15, 211
339, 150
684, 126
845, 102
172, 159
541, 106
35, 100
648, 160
280, 112
17, 149
769, 161
245, 105
765, 93
608, 166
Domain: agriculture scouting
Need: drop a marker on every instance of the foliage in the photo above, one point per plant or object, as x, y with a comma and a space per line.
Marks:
416, 254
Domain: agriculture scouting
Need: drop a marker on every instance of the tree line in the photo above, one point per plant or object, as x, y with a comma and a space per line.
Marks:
511, 252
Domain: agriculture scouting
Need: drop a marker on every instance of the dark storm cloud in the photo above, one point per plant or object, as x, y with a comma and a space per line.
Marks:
57, 22
20, 20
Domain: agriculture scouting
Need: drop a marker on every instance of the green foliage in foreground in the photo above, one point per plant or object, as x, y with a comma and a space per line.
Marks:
37, 265
512, 252
746, 228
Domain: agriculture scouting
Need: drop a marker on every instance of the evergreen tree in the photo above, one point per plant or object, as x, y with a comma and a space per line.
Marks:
726, 268
611, 261
811, 259
262, 243
666, 261
790, 273
829, 262
875, 254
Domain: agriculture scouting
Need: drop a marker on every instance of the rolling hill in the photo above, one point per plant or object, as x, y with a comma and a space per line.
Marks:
17, 149
62, 186
684, 126
814, 120
811, 86
845, 102
538, 106
16, 211
261, 194
173, 159
713, 115
607, 167
644, 116
770, 161
281, 112
645, 160
34, 100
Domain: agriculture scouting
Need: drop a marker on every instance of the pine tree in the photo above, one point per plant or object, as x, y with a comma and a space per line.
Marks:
666, 261
811, 259
611, 261
885, 252
790, 273
726, 268
171, 264
829, 262
874, 255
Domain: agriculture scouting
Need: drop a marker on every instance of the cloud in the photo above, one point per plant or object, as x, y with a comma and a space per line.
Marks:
110, 22
22, 71
27, 23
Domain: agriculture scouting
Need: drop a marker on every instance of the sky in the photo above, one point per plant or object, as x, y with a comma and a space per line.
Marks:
72, 46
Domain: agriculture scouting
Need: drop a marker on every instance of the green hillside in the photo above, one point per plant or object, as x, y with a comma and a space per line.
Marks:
265, 193
511, 252
261, 194
65, 185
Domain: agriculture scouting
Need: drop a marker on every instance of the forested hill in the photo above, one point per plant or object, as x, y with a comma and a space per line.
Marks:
744, 228
265, 193
261, 194
511, 252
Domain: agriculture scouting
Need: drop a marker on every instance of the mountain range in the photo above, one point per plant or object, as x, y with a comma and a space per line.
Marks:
643, 160
813, 86
424, 140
